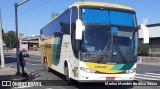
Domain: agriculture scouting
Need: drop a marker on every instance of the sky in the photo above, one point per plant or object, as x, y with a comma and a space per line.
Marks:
35, 14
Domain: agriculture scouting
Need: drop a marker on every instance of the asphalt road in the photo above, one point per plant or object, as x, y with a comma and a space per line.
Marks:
37, 71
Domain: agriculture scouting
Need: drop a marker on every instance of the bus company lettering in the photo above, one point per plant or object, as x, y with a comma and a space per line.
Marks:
100, 66
65, 44
95, 56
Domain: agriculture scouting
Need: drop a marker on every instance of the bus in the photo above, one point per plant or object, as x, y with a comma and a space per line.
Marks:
92, 41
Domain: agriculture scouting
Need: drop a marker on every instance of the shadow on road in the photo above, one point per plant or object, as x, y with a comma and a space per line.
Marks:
35, 74
10, 60
83, 85
95, 86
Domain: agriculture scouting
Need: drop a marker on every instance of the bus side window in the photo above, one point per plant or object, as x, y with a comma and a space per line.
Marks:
65, 22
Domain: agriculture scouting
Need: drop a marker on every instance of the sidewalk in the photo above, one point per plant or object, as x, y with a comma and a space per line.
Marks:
8, 73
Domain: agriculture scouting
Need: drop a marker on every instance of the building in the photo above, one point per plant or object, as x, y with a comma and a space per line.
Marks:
154, 38
29, 43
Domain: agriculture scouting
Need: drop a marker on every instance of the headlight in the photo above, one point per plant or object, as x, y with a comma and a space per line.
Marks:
87, 70
131, 70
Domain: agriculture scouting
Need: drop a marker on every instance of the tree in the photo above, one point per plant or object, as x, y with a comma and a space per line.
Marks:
143, 49
10, 39
54, 15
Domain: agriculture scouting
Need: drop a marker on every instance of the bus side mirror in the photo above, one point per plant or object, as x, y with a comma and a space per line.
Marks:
79, 28
145, 33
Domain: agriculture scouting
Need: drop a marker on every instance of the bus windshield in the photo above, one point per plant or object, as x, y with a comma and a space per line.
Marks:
105, 16
99, 37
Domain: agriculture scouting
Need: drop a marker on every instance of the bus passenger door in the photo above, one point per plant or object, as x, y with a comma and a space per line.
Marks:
74, 42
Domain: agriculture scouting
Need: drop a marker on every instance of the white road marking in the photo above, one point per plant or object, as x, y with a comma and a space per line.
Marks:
33, 64
153, 74
32, 59
27, 59
36, 56
144, 78
147, 76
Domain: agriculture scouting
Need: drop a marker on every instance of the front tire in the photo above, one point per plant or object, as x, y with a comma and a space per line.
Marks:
68, 80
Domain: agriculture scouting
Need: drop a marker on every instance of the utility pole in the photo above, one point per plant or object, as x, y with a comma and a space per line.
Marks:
17, 48
1, 43
17, 41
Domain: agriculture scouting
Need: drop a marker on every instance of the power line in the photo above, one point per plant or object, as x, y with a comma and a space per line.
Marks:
22, 13
40, 5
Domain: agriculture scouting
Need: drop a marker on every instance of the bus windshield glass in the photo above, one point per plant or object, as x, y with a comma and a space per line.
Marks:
104, 16
100, 41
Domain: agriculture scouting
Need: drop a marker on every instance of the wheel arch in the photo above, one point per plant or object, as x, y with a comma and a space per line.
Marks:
66, 64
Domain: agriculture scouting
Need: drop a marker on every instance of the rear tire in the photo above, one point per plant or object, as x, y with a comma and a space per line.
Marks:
46, 65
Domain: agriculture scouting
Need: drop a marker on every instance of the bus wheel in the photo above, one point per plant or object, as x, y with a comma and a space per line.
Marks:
67, 75
46, 65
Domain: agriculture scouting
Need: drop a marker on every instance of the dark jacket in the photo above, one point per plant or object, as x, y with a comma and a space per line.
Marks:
21, 59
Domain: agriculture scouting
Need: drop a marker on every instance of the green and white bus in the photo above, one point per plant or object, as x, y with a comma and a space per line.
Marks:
92, 41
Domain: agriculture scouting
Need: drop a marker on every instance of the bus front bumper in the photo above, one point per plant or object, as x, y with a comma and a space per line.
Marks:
94, 77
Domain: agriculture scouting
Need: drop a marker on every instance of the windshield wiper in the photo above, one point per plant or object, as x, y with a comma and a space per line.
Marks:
115, 44
104, 51
118, 49
121, 54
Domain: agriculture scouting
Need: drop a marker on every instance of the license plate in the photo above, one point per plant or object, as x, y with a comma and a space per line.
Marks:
110, 78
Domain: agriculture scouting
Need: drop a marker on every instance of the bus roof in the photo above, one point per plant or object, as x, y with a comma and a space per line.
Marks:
101, 4
78, 4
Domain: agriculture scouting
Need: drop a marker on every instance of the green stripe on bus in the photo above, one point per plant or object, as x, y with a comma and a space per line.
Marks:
127, 66
117, 66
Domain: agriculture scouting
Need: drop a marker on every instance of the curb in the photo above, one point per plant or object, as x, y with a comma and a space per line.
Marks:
14, 78
8, 73
21, 79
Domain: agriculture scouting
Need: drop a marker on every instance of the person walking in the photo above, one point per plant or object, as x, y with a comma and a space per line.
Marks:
22, 64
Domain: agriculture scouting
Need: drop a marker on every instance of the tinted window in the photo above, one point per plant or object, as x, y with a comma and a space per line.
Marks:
60, 24
73, 28
65, 22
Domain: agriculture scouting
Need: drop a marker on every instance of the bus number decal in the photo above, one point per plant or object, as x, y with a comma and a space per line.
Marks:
75, 71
